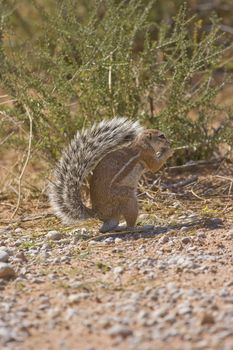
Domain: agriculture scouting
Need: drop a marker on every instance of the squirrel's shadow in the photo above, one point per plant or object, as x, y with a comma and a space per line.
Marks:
148, 232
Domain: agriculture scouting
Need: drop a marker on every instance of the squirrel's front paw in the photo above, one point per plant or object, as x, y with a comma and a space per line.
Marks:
167, 152
170, 152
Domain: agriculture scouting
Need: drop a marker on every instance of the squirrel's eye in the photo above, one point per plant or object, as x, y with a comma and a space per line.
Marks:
162, 136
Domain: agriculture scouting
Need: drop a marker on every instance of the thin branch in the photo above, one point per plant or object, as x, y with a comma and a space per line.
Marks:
30, 217
26, 162
8, 101
4, 96
195, 165
230, 188
6, 138
181, 183
110, 74
225, 177
195, 195
12, 120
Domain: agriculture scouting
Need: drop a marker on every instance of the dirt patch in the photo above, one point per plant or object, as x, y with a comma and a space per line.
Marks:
173, 290
166, 287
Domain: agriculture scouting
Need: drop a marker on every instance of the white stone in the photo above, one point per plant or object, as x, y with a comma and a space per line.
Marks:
54, 235
4, 256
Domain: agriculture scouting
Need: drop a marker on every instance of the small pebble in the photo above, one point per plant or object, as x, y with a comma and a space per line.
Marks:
4, 256
118, 270
4, 230
118, 240
21, 256
215, 223
224, 293
70, 313
6, 335
230, 235
163, 240
108, 240
18, 242
229, 284
207, 319
186, 240
119, 331
76, 298
184, 229
92, 242
6, 270
54, 235
201, 234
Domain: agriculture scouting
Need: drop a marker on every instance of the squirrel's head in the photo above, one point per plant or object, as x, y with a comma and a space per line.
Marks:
152, 145
152, 141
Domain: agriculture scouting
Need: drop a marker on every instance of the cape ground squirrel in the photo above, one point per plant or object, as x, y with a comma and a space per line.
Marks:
115, 153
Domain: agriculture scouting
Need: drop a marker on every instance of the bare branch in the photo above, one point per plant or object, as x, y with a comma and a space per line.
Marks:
6, 138
26, 162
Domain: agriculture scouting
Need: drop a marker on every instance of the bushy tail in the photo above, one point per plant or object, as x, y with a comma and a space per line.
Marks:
82, 155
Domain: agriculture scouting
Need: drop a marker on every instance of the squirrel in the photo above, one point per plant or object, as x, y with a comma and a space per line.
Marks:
115, 153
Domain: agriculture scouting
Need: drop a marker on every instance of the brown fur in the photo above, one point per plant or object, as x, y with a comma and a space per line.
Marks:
114, 182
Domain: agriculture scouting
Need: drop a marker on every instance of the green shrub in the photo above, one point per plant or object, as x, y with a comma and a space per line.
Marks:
115, 60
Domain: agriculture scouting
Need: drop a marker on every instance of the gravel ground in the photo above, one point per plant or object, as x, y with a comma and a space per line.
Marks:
69, 291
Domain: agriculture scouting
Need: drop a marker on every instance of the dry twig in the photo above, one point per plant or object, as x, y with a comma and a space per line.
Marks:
8, 101
182, 183
197, 165
6, 138
195, 195
12, 120
26, 162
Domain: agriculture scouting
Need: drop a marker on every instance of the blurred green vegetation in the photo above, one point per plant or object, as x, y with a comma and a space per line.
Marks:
74, 62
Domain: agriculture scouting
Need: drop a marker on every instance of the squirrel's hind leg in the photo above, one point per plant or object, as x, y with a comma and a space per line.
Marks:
109, 225
130, 211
